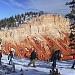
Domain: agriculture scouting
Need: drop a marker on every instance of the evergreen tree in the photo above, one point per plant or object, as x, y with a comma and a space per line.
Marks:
71, 16
17, 20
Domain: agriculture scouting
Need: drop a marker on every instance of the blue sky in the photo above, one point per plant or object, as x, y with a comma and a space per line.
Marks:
14, 7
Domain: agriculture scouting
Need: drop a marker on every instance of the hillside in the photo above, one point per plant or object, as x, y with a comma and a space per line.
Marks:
45, 33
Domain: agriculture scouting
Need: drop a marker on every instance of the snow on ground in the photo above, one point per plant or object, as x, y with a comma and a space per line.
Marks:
42, 67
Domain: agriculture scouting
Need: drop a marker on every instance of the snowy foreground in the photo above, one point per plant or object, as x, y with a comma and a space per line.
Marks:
42, 67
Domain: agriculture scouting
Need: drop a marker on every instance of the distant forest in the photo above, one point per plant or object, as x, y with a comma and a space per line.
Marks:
17, 20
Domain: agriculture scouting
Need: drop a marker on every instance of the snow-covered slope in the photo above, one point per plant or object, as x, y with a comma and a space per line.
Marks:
42, 67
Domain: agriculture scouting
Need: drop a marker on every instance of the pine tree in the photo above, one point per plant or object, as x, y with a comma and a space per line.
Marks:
71, 16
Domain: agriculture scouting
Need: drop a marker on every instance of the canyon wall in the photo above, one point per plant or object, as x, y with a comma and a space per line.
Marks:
45, 33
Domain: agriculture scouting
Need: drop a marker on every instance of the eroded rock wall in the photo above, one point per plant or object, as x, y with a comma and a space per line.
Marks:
45, 33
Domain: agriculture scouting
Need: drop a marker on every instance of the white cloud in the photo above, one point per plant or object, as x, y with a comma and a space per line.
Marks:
45, 5
14, 2
49, 5
24, 5
4, 2
38, 5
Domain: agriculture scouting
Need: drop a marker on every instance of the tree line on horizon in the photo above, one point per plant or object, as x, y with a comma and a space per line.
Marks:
17, 20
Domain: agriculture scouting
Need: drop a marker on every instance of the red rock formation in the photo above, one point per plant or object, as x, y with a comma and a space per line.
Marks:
44, 33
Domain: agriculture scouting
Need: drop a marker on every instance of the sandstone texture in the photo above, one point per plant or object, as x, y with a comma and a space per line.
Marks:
45, 33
